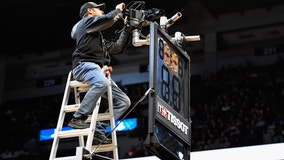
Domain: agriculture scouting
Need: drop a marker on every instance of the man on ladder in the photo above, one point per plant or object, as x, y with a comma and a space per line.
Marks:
92, 52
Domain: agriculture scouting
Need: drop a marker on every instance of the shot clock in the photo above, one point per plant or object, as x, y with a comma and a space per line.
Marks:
170, 75
169, 105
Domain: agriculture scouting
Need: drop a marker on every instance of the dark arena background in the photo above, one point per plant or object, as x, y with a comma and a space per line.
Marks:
228, 103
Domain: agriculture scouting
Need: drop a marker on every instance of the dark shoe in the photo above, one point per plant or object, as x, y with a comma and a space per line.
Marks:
101, 139
77, 123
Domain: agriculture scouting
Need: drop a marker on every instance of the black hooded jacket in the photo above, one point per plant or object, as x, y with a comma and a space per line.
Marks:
90, 44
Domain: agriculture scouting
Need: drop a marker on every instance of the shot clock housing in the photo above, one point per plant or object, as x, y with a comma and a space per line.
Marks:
169, 129
169, 126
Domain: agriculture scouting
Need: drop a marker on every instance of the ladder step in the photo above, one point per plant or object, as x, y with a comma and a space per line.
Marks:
73, 133
96, 156
101, 117
71, 108
66, 158
75, 83
82, 87
75, 107
101, 157
103, 148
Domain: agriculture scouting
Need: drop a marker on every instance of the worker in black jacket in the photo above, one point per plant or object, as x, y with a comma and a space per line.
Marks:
92, 52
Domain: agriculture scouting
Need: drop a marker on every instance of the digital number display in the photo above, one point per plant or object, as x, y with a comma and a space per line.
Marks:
170, 73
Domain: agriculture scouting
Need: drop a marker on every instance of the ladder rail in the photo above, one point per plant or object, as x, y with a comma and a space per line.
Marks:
58, 128
93, 126
77, 101
112, 120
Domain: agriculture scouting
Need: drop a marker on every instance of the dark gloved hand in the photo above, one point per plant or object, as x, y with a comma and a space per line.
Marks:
128, 28
130, 25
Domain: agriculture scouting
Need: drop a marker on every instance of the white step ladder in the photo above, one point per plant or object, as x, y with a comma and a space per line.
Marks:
79, 87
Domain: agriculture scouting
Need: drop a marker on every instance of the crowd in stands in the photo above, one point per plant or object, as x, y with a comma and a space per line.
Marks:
239, 106
236, 106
